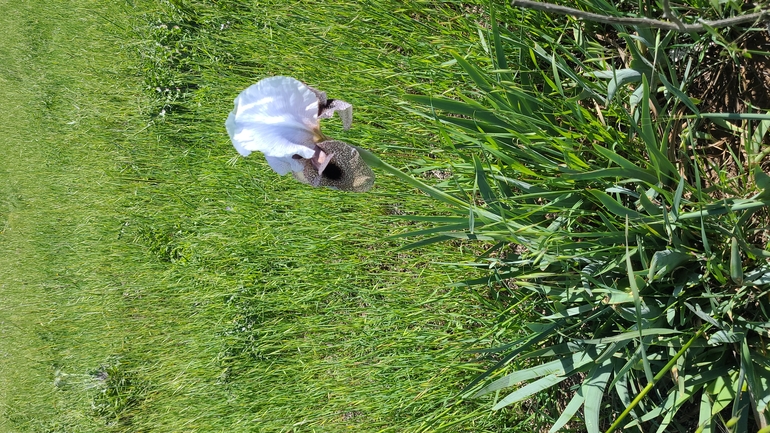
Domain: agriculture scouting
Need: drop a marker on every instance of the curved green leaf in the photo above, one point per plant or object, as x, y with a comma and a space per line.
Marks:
593, 389
569, 412
613, 206
557, 367
532, 388
664, 262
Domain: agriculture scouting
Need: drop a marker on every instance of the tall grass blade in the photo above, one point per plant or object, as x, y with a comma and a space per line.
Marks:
476, 75
529, 389
520, 346
663, 167
593, 389
481, 182
616, 208
705, 424
569, 411
679, 94
559, 367
736, 264
628, 175
500, 60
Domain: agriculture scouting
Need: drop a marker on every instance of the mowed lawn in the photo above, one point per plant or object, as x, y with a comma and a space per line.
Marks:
151, 281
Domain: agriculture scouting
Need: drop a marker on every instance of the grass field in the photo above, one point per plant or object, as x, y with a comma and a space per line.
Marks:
604, 250
151, 284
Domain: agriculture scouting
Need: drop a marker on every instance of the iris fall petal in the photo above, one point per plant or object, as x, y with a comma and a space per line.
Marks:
345, 171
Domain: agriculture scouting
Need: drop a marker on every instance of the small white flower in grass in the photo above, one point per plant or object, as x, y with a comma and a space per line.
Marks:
279, 116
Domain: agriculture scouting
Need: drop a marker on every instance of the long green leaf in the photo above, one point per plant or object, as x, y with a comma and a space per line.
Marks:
481, 182
727, 206
555, 72
425, 242
520, 346
679, 94
660, 162
615, 172
569, 412
476, 75
474, 125
638, 307
500, 61
705, 423
432, 230
736, 264
557, 367
630, 335
677, 201
572, 311
446, 104
732, 116
619, 160
480, 115
758, 393
613, 206
593, 389
763, 383
532, 388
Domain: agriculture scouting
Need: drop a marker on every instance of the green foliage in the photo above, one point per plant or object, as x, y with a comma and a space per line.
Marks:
119, 392
647, 269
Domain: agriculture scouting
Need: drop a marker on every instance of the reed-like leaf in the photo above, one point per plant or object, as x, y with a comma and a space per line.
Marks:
533, 388
559, 367
593, 388
569, 411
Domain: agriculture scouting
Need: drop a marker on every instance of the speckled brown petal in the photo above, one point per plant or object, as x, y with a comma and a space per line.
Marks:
346, 171
327, 107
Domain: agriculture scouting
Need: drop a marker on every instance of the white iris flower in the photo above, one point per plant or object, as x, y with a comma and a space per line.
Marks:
279, 116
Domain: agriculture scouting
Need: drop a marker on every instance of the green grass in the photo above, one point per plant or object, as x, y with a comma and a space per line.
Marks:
55, 201
153, 285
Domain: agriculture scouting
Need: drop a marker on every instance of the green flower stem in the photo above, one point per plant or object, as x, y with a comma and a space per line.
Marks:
655, 380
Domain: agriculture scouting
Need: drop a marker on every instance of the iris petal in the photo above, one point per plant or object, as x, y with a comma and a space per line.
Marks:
346, 170
278, 116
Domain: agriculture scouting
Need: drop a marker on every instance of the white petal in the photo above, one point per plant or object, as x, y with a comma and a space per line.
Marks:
344, 109
278, 116
285, 165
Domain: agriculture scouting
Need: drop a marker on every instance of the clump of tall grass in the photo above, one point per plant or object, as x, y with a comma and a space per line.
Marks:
585, 170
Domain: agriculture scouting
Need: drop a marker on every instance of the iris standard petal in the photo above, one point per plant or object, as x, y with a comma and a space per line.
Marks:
278, 116
327, 107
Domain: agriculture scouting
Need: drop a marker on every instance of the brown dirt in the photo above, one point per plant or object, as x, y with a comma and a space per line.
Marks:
738, 83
